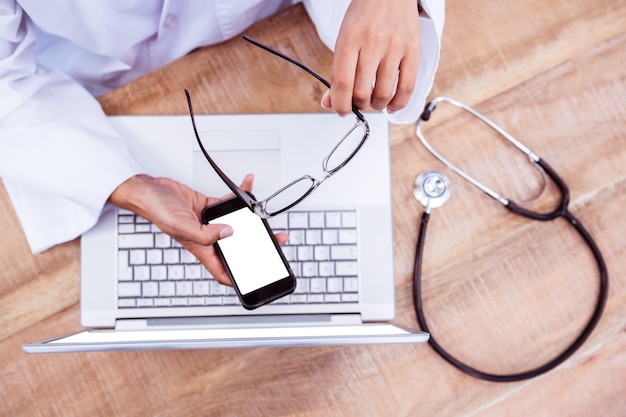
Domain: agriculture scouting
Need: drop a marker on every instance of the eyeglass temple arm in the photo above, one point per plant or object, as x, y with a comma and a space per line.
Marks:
234, 188
355, 110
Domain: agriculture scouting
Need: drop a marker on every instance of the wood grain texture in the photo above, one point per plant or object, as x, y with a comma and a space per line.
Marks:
501, 292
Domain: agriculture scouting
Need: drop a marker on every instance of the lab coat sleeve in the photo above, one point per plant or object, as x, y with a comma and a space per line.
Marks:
59, 158
328, 15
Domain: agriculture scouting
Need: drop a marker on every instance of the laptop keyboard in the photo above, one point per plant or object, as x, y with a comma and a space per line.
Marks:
156, 271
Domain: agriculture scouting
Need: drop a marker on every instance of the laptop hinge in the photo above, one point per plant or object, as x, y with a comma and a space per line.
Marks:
238, 321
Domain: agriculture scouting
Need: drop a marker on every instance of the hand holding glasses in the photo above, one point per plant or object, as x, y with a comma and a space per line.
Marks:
298, 189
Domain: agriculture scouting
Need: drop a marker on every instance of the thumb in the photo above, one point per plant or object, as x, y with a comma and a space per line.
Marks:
208, 234
325, 103
217, 232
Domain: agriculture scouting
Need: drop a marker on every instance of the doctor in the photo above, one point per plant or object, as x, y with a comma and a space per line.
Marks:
61, 162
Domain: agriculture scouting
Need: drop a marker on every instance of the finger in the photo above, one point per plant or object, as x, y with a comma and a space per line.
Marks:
246, 184
406, 83
385, 82
342, 76
281, 238
364, 80
205, 235
326, 102
223, 278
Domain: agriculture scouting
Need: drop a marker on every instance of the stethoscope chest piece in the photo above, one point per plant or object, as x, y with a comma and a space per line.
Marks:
431, 189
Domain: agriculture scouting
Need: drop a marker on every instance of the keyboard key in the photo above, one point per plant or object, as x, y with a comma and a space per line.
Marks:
158, 272
137, 257
349, 298
334, 285
298, 298
126, 228
316, 220
329, 237
171, 256
346, 268
289, 252
205, 273
184, 288
350, 285
150, 289
143, 228
321, 253
347, 236
309, 269
333, 219
213, 301
302, 286
305, 253
315, 298
344, 252
348, 219
161, 302
141, 273
193, 271
298, 220
154, 256
326, 269
332, 298
230, 300
141, 240
125, 272
317, 285
162, 240
200, 288
196, 301
296, 237
178, 301
296, 268
217, 288
187, 257
175, 272
313, 237
278, 222
126, 302
167, 289
129, 289
145, 302
126, 219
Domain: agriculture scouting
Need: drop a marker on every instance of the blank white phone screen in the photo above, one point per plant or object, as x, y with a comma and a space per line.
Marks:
250, 252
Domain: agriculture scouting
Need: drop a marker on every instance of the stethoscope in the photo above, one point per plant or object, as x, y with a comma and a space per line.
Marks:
432, 189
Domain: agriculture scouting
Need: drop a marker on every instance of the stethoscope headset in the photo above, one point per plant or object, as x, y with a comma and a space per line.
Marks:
432, 189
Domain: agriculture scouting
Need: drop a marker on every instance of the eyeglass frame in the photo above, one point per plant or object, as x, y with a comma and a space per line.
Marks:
259, 207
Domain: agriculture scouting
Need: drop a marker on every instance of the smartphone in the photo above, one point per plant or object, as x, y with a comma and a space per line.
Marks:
252, 257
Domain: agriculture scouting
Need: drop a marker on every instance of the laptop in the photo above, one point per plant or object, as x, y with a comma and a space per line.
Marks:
141, 290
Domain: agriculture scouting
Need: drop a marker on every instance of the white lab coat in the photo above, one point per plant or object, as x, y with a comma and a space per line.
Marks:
59, 158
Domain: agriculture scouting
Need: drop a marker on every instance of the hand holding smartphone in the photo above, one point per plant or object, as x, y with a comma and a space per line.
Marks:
252, 257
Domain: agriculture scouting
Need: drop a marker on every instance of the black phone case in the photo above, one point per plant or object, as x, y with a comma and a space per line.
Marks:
263, 295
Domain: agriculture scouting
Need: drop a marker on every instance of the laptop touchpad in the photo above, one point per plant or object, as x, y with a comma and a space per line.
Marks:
237, 153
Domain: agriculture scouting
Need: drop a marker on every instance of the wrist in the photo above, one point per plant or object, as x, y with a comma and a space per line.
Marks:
130, 194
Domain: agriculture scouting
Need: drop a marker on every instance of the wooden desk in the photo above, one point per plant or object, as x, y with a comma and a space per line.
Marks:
501, 292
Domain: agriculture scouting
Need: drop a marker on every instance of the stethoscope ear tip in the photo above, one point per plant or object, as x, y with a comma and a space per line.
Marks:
431, 189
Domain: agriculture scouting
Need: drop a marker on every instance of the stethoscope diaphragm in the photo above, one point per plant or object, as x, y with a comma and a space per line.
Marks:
431, 189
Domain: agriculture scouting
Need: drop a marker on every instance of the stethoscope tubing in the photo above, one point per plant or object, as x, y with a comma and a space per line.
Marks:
561, 211
569, 351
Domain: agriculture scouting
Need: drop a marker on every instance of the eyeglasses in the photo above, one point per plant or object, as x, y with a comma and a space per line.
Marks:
300, 188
